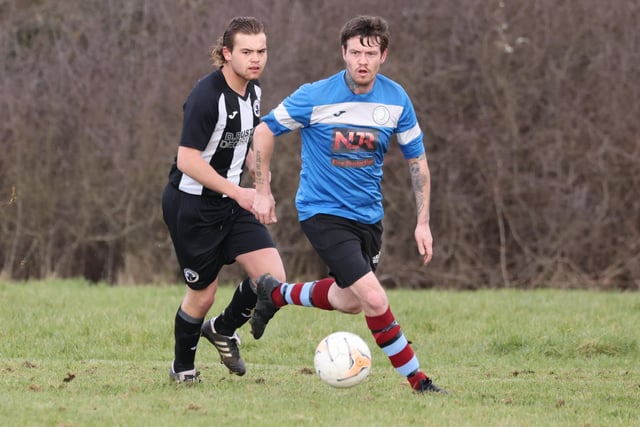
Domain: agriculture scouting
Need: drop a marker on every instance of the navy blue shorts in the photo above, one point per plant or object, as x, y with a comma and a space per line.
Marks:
209, 233
349, 248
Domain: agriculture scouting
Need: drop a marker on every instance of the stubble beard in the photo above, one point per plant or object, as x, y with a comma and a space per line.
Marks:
354, 85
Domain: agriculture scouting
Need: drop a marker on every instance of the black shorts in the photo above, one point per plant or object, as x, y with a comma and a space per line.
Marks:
209, 233
349, 248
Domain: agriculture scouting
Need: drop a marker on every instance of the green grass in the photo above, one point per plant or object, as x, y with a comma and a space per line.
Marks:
74, 354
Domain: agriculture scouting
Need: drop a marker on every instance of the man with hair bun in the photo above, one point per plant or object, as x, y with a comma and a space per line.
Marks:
207, 212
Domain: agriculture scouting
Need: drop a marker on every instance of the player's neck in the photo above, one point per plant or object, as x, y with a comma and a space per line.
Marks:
355, 87
234, 81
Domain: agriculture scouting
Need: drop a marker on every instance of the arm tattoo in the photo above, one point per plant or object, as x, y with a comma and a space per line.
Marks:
420, 183
259, 175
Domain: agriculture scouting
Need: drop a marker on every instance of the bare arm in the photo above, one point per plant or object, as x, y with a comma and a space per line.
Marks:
250, 163
264, 205
190, 162
421, 184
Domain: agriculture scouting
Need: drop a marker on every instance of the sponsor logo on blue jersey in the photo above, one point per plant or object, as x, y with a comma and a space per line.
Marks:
362, 142
351, 140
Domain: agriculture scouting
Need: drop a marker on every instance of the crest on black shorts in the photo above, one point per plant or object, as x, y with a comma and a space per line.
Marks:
191, 276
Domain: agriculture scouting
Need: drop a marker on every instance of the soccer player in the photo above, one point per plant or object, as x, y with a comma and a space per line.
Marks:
206, 210
346, 123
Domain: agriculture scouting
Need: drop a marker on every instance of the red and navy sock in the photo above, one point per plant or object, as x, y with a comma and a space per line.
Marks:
390, 338
307, 294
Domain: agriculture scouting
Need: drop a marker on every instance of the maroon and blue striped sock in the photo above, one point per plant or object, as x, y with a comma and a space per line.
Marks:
390, 338
306, 294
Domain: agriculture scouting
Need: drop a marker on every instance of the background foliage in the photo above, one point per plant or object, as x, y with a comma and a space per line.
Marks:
530, 110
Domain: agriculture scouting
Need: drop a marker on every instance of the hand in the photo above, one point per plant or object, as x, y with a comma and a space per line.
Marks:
424, 240
245, 197
264, 208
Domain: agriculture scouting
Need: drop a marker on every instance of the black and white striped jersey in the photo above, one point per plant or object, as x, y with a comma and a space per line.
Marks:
220, 123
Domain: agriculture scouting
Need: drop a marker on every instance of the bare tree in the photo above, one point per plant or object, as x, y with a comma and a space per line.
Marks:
529, 111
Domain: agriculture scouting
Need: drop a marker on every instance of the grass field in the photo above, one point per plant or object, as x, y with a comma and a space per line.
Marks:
74, 354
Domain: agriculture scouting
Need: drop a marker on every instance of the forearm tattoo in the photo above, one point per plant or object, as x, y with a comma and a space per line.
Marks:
420, 183
258, 166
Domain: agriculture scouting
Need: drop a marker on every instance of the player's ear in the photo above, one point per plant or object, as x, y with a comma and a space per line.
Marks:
383, 57
226, 53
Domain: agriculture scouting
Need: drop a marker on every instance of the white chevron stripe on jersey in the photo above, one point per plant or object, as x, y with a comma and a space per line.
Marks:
357, 114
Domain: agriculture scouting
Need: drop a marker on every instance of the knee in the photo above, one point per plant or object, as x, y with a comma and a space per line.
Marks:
198, 303
207, 302
376, 303
379, 301
199, 307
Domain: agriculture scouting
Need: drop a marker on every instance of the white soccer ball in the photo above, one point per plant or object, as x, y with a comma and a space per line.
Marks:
342, 359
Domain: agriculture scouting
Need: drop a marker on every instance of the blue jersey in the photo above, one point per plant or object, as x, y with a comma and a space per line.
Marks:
344, 139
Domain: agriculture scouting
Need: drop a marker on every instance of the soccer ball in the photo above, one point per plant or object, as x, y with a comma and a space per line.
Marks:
342, 359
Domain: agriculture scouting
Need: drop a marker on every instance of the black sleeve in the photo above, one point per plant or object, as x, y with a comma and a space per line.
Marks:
200, 116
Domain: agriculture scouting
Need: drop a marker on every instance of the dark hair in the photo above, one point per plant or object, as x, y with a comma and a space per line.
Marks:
369, 29
239, 24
